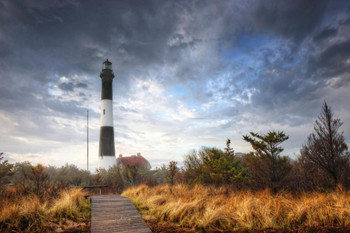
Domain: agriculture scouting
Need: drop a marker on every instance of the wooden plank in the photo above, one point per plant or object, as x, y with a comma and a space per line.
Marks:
115, 214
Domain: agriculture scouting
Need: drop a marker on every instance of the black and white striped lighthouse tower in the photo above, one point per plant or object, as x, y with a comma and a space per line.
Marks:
106, 156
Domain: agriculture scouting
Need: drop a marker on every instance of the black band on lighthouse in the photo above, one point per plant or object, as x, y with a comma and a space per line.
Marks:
106, 141
107, 90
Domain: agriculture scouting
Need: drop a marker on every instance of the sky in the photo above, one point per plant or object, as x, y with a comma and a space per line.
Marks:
187, 74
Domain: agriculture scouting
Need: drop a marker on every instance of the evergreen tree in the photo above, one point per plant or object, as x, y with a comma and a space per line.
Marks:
326, 148
267, 166
214, 166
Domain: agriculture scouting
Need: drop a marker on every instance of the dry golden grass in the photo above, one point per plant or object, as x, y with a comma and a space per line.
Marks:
69, 205
29, 214
217, 209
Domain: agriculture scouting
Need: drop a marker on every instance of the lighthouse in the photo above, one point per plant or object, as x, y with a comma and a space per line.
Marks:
106, 155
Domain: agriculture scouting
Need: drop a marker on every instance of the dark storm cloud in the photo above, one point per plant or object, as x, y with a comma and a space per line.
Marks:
44, 38
65, 38
70, 86
346, 22
326, 33
66, 86
293, 19
81, 85
80, 35
333, 61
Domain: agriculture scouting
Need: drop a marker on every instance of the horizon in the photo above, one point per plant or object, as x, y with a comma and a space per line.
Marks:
187, 74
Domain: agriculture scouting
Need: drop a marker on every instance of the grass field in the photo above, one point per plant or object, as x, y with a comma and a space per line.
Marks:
210, 209
179, 208
68, 212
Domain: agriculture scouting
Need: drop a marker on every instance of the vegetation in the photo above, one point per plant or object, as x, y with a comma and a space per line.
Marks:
214, 166
5, 171
27, 213
173, 169
267, 166
48, 199
326, 147
215, 189
221, 209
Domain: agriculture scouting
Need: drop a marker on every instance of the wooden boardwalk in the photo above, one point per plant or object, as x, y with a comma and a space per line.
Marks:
113, 213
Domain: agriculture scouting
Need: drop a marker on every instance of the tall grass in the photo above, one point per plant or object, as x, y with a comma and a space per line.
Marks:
29, 214
219, 209
71, 204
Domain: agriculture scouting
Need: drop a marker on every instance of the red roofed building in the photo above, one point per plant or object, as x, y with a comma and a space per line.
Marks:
134, 160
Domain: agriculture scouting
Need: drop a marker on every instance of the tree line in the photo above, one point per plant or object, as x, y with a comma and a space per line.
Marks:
323, 164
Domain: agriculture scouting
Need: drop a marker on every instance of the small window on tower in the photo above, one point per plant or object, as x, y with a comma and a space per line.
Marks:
104, 111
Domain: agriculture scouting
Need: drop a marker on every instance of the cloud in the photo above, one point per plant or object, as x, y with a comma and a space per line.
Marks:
187, 73
332, 61
290, 19
66, 86
326, 33
69, 86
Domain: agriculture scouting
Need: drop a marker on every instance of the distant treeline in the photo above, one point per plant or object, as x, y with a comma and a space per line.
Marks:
323, 164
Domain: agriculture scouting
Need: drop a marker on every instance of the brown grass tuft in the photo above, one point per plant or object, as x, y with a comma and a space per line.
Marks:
29, 214
217, 209
69, 205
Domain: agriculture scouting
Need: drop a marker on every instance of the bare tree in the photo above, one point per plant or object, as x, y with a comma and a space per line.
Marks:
40, 179
131, 174
172, 170
326, 147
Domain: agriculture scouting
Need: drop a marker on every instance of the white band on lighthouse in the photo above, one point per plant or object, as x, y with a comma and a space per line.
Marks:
106, 161
107, 112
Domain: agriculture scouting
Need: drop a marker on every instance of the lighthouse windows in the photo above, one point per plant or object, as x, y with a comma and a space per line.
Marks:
107, 66
104, 111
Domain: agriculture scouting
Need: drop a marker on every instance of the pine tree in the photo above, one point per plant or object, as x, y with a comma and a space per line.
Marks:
268, 166
215, 166
326, 147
